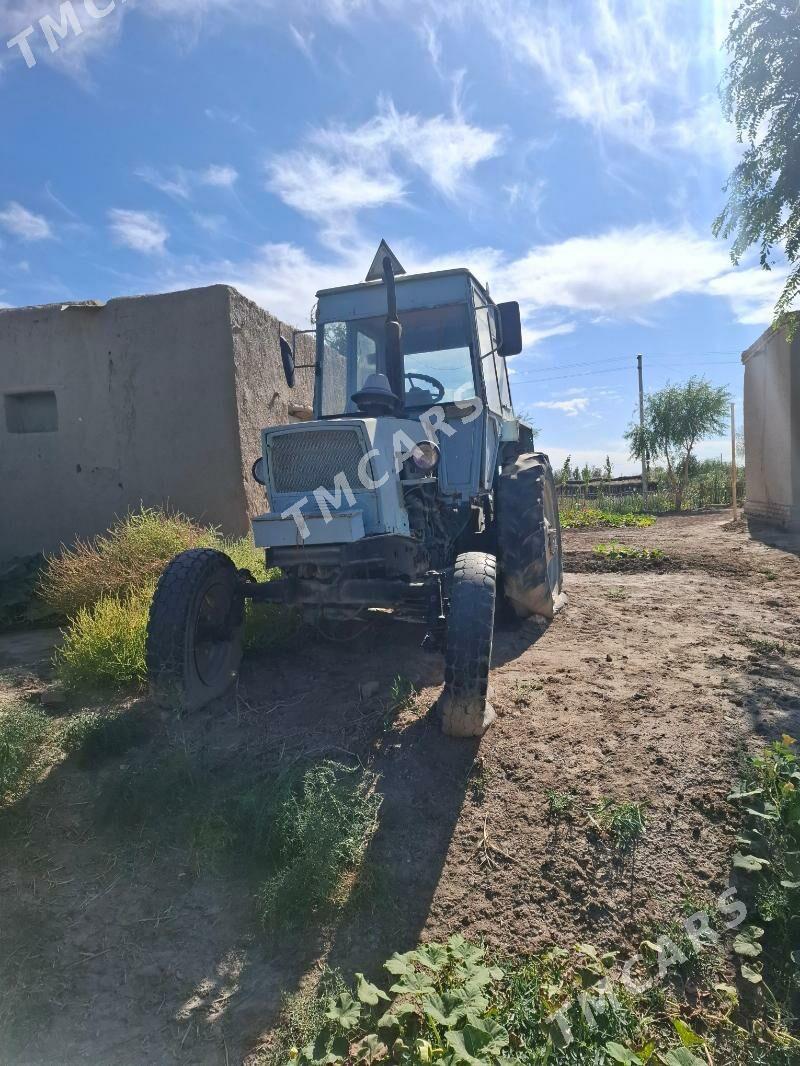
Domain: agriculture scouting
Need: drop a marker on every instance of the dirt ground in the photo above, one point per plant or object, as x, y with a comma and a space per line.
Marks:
647, 688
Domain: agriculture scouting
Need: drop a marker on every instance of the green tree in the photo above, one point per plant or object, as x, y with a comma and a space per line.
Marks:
608, 472
566, 471
761, 96
676, 419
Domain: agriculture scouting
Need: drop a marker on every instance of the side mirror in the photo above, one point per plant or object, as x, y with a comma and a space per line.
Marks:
510, 329
287, 358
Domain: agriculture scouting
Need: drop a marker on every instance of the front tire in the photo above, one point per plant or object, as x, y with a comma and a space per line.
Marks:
529, 537
194, 633
470, 635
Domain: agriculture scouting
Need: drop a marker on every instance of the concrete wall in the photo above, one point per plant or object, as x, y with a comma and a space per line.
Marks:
137, 401
772, 429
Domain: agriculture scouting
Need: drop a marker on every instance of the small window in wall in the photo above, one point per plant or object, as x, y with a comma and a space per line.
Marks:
31, 412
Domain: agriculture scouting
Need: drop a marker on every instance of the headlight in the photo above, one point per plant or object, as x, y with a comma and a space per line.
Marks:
426, 456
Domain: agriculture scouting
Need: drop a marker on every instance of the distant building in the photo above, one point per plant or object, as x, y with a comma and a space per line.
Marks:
155, 399
772, 428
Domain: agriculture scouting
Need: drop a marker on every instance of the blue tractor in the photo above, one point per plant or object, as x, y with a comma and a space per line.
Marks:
415, 488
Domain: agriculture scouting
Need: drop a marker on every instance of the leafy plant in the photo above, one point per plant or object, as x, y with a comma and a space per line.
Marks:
768, 857
762, 98
624, 822
438, 1009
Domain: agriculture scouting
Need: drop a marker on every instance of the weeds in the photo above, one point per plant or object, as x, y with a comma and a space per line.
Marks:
768, 858
321, 829
559, 804
624, 823
104, 646
450, 1004
22, 730
573, 517
92, 736
614, 550
104, 587
128, 558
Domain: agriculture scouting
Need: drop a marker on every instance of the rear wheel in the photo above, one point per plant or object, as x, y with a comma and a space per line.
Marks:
529, 537
470, 634
194, 633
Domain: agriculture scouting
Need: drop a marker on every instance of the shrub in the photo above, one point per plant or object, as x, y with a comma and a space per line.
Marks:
93, 736
104, 645
104, 587
22, 730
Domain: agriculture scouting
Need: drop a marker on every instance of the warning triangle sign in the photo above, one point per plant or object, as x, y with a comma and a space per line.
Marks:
376, 270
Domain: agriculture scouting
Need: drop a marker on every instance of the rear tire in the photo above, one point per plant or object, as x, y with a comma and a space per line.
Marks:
194, 633
529, 537
470, 635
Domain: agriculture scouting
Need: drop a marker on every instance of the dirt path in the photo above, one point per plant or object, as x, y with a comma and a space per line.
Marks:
645, 689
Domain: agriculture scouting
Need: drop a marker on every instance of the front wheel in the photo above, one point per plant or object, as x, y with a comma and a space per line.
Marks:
194, 633
470, 635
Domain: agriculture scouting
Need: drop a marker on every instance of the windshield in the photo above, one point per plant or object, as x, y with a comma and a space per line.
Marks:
437, 349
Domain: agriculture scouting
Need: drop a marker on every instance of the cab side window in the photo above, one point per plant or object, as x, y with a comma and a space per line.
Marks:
487, 345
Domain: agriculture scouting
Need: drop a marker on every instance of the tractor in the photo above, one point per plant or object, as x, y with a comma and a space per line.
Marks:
413, 489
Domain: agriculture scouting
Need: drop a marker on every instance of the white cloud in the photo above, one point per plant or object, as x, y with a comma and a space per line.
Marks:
24, 224
571, 408
342, 170
178, 182
322, 188
140, 230
618, 272
752, 293
616, 275
174, 184
220, 176
445, 148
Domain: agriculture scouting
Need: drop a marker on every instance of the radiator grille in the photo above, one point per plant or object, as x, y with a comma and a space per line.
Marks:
302, 462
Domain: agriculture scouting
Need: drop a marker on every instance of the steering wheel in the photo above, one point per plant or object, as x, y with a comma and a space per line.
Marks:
437, 385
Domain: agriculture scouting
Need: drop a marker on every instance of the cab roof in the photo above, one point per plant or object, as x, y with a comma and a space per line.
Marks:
400, 279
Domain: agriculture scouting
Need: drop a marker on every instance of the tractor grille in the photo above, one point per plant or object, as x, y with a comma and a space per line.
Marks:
302, 462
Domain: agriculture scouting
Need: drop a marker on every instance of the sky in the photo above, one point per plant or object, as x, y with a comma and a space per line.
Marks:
572, 154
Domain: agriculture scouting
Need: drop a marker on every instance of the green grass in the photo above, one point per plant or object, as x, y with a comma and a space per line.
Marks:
104, 587
22, 730
578, 517
614, 550
624, 823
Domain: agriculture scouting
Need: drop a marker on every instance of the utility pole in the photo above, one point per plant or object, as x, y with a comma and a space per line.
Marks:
641, 426
734, 475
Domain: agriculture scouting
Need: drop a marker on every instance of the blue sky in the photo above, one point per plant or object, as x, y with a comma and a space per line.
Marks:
572, 154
